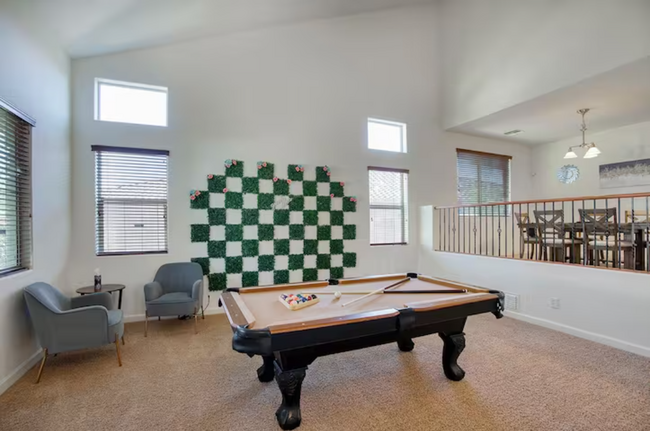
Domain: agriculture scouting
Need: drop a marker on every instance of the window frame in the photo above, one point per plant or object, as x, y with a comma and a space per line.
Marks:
508, 185
403, 144
132, 85
99, 220
24, 202
404, 206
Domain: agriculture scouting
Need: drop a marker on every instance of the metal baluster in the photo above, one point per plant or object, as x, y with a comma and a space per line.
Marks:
474, 219
607, 235
647, 235
596, 256
585, 236
543, 239
574, 258
633, 237
513, 221
480, 230
505, 219
618, 205
448, 229
499, 229
439, 228
492, 209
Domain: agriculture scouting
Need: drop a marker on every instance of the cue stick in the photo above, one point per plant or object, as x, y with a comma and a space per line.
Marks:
363, 292
377, 291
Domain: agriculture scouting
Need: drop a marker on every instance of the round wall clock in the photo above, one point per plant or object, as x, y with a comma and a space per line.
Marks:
568, 174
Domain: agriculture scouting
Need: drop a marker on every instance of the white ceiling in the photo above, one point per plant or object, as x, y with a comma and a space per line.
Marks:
93, 27
617, 98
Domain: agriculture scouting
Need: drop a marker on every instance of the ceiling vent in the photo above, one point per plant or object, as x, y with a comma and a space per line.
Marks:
513, 132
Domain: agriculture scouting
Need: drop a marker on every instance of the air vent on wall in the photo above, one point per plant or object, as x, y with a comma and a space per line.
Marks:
513, 132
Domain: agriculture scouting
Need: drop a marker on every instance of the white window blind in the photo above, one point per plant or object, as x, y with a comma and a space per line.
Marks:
131, 200
15, 191
388, 206
482, 178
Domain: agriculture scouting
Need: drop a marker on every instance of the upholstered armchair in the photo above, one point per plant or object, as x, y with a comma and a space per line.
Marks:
63, 324
177, 290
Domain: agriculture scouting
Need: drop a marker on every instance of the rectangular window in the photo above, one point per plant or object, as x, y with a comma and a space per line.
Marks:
386, 135
130, 200
482, 178
388, 206
127, 102
15, 190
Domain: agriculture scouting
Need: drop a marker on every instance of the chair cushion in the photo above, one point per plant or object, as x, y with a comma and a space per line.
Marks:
611, 243
114, 317
172, 298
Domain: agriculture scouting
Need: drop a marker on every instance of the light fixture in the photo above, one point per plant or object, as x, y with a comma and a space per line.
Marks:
592, 150
570, 154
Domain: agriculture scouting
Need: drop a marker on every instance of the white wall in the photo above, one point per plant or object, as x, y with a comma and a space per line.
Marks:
617, 145
607, 306
35, 77
500, 53
297, 94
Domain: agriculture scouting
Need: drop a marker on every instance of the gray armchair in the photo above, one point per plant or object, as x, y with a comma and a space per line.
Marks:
63, 324
177, 289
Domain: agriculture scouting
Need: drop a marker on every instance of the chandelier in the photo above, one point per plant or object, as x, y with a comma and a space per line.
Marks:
592, 150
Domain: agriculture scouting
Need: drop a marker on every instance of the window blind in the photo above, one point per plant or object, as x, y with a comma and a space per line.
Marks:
388, 206
15, 192
131, 200
482, 178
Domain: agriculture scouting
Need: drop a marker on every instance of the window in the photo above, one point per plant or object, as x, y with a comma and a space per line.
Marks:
386, 135
482, 178
15, 190
130, 201
388, 206
126, 102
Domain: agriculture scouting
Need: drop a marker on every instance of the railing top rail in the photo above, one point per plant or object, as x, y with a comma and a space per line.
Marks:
540, 201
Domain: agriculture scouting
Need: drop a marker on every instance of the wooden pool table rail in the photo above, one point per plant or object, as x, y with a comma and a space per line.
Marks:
239, 314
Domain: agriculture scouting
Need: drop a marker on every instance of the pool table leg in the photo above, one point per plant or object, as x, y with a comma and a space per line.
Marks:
454, 346
266, 372
405, 344
290, 384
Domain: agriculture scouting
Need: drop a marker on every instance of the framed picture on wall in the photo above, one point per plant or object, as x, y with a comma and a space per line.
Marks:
625, 174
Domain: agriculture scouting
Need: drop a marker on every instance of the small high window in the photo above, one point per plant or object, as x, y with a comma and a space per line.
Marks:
386, 135
127, 102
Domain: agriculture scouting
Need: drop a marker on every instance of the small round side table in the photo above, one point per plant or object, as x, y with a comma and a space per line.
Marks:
110, 288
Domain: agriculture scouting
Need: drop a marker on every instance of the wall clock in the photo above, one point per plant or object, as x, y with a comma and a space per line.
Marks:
568, 174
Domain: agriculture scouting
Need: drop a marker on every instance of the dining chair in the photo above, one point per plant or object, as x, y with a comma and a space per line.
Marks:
602, 233
527, 234
639, 216
552, 234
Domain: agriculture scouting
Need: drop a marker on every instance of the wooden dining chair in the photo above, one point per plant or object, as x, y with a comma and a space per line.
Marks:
602, 233
552, 234
639, 216
527, 234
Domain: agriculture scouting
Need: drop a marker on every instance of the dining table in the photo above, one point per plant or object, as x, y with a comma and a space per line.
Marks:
637, 232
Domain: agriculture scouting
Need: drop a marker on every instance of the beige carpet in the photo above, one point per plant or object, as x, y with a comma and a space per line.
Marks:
519, 377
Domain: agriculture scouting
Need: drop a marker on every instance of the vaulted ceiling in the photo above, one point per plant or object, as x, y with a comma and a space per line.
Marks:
93, 27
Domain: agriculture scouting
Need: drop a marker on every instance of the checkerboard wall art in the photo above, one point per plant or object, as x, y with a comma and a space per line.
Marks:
265, 229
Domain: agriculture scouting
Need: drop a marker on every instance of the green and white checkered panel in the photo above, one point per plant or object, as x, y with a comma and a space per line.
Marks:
262, 229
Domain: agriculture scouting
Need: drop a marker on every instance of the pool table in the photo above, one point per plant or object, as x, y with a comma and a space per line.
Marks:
289, 341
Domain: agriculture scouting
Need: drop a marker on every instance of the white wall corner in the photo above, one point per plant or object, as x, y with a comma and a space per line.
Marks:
20, 371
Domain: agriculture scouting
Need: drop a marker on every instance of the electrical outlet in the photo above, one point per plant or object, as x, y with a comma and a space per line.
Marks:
554, 303
512, 302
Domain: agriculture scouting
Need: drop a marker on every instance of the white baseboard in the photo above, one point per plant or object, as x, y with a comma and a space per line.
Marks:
140, 317
27, 365
598, 338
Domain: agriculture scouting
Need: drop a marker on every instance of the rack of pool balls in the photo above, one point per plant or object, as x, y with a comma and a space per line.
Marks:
298, 301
